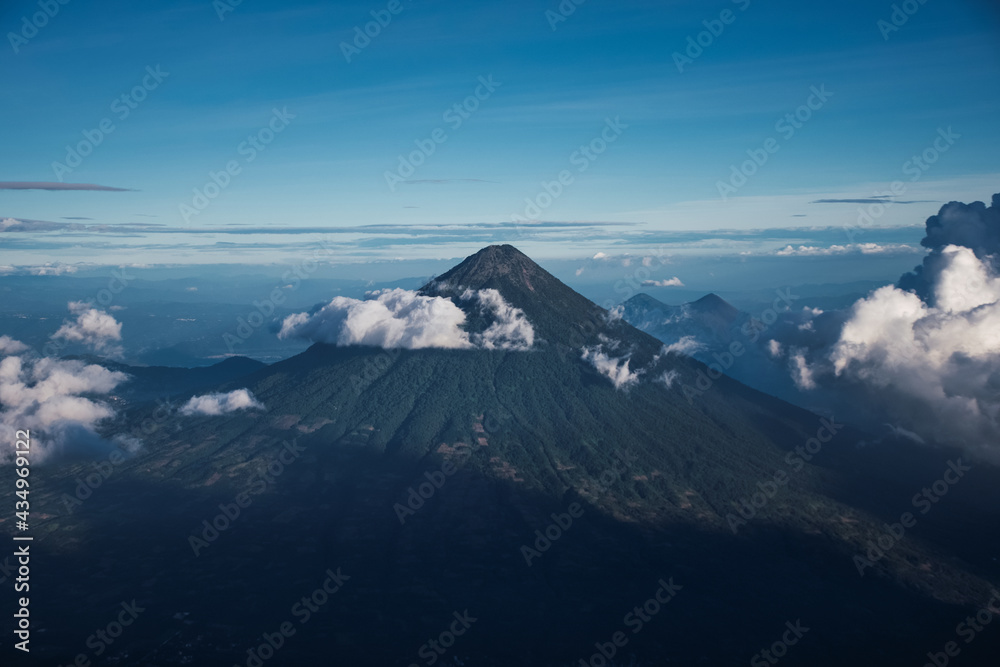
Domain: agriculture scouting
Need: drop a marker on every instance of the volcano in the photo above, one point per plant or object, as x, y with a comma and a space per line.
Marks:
711, 320
590, 500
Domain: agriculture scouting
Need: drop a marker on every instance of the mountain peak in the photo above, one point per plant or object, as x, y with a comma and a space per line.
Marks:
643, 300
710, 298
557, 312
715, 304
494, 266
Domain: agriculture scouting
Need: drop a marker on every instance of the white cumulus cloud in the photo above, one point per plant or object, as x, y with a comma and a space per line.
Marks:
509, 329
802, 374
666, 282
56, 399
10, 346
936, 362
399, 318
394, 318
221, 403
92, 328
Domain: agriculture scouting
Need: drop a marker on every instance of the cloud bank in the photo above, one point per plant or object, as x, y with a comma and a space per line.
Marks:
398, 318
221, 403
927, 350
943, 357
848, 249
49, 269
56, 399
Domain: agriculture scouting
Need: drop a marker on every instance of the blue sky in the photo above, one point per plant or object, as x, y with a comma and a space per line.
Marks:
553, 90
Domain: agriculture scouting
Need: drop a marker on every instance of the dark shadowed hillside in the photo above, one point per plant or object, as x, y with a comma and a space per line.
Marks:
521, 488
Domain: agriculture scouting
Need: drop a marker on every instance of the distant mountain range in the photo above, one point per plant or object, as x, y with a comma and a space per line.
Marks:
711, 320
709, 328
551, 494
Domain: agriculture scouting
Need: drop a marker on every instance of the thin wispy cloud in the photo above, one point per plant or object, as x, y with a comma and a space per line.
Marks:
872, 200
56, 186
20, 225
444, 181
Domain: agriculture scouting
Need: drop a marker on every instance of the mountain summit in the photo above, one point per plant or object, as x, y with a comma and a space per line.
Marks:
716, 305
558, 313
497, 267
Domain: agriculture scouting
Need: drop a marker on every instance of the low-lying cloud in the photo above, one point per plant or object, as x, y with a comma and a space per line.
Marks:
668, 378
221, 403
509, 328
615, 369
92, 328
398, 318
56, 399
686, 345
848, 249
10, 346
49, 269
